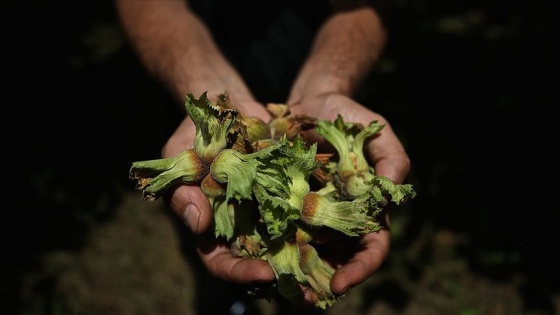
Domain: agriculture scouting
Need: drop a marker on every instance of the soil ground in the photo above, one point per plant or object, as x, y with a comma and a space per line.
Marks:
136, 264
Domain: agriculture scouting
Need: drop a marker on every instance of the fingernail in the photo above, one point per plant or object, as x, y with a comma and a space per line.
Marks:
191, 217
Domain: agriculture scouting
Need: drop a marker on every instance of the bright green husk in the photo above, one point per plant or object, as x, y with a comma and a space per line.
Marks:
212, 126
239, 170
398, 193
291, 169
299, 162
277, 176
348, 217
156, 176
224, 217
348, 139
256, 178
275, 212
319, 275
284, 259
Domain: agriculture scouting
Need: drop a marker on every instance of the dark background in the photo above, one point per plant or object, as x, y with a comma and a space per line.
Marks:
467, 86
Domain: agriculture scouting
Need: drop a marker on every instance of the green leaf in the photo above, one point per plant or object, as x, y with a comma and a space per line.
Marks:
224, 217
397, 193
275, 211
237, 170
284, 259
319, 275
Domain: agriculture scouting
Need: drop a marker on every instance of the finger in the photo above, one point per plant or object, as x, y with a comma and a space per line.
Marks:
188, 202
191, 205
384, 150
219, 261
388, 155
181, 140
374, 249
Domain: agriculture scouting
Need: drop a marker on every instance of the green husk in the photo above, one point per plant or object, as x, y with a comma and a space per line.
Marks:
256, 176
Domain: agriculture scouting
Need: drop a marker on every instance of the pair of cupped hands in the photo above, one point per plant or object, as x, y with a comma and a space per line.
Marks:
355, 259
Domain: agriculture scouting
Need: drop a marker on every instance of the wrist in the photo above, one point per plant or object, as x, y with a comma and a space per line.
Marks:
321, 85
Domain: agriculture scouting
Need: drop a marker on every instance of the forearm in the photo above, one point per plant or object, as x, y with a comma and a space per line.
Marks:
346, 48
177, 49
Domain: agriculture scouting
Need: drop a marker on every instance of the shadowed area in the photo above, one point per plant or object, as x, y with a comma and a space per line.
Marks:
466, 88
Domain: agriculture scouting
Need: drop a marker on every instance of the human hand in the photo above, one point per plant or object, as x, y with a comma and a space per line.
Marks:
356, 259
385, 151
190, 204
353, 267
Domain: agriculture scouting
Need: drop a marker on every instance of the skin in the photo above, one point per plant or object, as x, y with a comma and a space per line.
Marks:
177, 48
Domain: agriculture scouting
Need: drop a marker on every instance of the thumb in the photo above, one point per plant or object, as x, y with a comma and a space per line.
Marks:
191, 205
